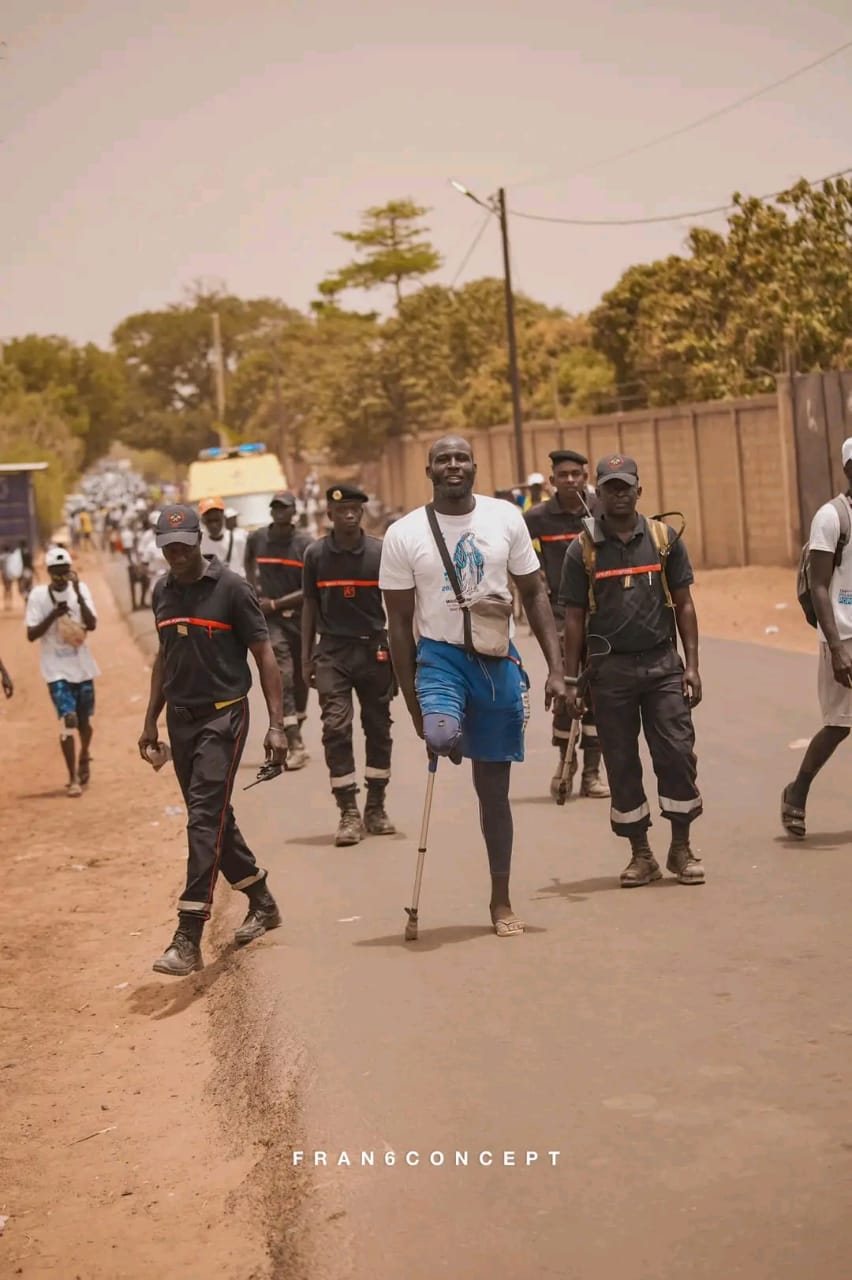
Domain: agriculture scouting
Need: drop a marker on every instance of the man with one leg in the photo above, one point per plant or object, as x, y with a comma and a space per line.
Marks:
553, 526
60, 614
463, 704
207, 619
342, 603
275, 559
631, 583
830, 557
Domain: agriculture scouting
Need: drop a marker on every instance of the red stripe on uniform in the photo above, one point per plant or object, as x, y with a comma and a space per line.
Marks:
348, 582
210, 623
557, 537
624, 573
297, 564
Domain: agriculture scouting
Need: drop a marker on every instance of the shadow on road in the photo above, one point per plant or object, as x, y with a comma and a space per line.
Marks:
434, 939
327, 841
578, 890
52, 794
159, 1000
534, 800
815, 840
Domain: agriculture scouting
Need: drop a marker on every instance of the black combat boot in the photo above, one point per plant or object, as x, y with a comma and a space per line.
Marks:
642, 867
350, 829
297, 756
681, 861
376, 819
263, 914
592, 784
183, 955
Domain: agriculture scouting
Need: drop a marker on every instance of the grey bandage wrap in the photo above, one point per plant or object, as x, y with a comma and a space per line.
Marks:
491, 780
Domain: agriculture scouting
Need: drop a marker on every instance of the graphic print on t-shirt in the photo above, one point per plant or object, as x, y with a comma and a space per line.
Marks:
469, 564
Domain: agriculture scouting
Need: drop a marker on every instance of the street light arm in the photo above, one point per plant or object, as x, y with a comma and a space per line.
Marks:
463, 190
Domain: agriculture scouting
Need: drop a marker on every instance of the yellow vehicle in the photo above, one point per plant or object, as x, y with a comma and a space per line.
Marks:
244, 476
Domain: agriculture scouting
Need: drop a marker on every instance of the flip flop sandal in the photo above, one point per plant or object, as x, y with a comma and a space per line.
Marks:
84, 772
510, 927
792, 818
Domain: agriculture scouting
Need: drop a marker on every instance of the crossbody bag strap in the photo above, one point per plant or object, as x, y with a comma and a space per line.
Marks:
443, 551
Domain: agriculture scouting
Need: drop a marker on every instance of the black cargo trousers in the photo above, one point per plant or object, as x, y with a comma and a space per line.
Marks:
207, 746
562, 722
629, 689
343, 666
285, 633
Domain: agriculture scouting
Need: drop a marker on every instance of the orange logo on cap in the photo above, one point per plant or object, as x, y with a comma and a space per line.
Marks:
176, 517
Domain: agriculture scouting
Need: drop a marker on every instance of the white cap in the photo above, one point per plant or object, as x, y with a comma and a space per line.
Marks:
846, 451
55, 556
535, 477
230, 513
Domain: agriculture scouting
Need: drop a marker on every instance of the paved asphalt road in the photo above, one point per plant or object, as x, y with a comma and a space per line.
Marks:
685, 1050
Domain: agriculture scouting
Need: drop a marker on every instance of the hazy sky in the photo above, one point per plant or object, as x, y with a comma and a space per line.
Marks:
143, 146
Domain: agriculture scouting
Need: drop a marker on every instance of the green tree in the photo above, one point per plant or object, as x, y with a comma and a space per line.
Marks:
390, 249
34, 429
721, 320
86, 384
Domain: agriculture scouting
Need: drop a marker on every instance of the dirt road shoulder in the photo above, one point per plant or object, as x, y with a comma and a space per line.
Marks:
125, 1152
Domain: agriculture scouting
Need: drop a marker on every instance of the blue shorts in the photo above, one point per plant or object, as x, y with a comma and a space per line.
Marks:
73, 699
488, 696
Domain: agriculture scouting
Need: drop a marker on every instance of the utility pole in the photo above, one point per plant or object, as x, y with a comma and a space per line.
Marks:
497, 205
219, 371
514, 378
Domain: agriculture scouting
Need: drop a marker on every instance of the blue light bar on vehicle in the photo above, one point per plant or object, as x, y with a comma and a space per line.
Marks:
234, 452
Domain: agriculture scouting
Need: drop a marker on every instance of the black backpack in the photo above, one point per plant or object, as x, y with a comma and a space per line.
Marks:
803, 578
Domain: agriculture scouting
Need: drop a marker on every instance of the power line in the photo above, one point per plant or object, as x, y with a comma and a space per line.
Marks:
476, 239
702, 120
667, 217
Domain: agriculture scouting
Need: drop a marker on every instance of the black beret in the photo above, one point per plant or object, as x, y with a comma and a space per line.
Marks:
345, 493
567, 455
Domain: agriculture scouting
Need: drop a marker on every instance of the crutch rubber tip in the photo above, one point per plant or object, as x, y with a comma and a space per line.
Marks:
411, 925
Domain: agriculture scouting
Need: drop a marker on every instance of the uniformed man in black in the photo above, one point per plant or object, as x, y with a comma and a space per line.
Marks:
633, 589
274, 559
553, 526
207, 618
342, 603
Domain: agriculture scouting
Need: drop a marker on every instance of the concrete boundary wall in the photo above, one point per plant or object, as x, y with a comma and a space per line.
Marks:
728, 465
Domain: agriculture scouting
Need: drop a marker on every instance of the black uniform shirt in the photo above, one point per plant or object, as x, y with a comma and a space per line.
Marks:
633, 619
205, 628
554, 530
345, 584
279, 559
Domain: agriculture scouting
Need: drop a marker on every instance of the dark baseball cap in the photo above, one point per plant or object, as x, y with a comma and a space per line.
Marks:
617, 467
178, 524
344, 493
284, 499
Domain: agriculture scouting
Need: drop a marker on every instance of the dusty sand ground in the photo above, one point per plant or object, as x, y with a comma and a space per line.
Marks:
93, 1042
121, 1155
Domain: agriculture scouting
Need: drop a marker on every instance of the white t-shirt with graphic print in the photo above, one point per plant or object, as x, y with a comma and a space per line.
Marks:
485, 546
825, 532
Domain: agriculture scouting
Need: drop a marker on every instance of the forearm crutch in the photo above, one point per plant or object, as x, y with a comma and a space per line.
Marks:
411, 912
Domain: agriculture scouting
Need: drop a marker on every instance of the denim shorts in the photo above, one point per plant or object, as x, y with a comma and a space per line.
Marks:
73, 699
488, 696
